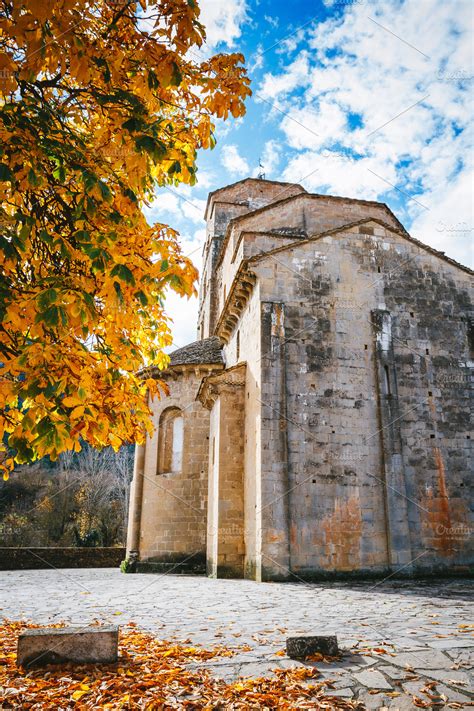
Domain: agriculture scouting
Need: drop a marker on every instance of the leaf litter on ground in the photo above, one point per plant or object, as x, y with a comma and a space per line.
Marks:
152, 674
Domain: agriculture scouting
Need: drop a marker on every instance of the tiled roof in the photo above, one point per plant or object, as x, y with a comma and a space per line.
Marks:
209, 350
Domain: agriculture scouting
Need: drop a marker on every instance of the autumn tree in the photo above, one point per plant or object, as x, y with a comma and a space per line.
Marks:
100, 103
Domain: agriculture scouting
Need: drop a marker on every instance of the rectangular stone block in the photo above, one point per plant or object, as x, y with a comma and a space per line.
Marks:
302, 647
82, 645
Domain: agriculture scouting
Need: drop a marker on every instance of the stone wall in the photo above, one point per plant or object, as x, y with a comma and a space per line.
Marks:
36, 558
224, 394
174, 504
247, 336
375, 420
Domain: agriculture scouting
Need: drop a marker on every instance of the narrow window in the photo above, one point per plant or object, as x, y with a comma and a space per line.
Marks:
177, 445
170, 441
387, 380
237, 347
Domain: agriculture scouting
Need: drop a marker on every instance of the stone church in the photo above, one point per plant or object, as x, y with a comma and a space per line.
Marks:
320, 424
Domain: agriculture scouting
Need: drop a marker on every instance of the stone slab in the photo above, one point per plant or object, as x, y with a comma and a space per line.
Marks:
345, 693
452, 677
373, 679
453, 643
394, 672
302, 647
82, 645
432, 659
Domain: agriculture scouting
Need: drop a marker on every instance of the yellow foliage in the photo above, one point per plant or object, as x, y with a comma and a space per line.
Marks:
98, 107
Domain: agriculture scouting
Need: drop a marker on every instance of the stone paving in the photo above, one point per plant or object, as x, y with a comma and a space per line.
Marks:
397, 636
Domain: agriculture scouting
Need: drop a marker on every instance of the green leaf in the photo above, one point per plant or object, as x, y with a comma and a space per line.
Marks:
105, 191
44, 426
24, 453
24, 231
176, 77
9, 249
60, 174
89, 180
133, 124
33, 179
175, 167
118, 291
145, 143
63, 315
50, 316
123, 272
45, 237
142, 297
5, 173
89, 300
130, 194
115, 216
152, 146
153, 82
175, 281
46, 298
91, 208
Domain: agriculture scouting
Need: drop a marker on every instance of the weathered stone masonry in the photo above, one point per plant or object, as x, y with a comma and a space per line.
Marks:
325, 409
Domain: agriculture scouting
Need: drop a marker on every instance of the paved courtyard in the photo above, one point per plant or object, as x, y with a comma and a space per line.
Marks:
397, 636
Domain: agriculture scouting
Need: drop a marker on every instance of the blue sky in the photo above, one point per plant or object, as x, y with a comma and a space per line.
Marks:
367, 99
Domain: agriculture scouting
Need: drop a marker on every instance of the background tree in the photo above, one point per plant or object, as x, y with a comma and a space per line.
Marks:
80, 500
98, 107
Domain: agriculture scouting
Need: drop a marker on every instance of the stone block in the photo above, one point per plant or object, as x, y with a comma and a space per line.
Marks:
301, 647
82, 645
373, 679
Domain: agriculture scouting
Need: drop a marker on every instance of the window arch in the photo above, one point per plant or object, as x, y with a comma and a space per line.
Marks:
170, 441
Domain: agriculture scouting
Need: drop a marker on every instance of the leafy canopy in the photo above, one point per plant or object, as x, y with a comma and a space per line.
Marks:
98, 107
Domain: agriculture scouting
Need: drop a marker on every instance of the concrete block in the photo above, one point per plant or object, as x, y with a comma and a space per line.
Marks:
82, 645
301, 647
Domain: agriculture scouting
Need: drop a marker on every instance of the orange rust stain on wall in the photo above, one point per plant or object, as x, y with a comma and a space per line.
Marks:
343, 531
439, 526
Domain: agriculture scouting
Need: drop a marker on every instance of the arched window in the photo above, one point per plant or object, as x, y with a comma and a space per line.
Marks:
170, 441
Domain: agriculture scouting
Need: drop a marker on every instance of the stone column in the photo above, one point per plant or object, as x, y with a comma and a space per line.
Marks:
275, 485
393, 471
135, 508
223, 394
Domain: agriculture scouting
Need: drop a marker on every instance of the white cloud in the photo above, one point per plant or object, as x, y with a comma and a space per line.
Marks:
204, 178
233, 161
184, 312
256, 60
180, 202
337, 174
223, 20
270, 158
448, 225
272, 21
371, 101
295, 76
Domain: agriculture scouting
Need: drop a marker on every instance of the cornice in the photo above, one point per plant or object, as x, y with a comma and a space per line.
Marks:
214, 385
